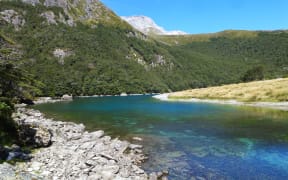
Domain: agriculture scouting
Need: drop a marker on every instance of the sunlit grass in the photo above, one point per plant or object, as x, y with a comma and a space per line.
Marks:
258, 91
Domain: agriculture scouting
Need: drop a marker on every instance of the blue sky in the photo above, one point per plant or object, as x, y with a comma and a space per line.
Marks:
204, 16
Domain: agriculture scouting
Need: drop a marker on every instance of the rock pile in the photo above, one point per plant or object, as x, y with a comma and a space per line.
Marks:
74, 153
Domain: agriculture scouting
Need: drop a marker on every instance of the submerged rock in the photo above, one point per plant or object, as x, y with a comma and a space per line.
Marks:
137, 139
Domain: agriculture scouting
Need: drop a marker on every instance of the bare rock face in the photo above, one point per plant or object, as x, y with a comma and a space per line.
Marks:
87, 11
12, 17
58, 3
50, 17
33, 2
61, 54
158, 61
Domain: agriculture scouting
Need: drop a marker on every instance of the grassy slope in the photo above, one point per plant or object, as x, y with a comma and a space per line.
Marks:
186, 39
263, 91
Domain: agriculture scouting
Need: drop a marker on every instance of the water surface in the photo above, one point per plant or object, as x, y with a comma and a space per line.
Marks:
191, 140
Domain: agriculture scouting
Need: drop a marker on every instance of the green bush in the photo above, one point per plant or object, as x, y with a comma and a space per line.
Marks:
8, 130
254, 74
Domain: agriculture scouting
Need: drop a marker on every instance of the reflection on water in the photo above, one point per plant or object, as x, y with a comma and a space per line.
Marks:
191, 140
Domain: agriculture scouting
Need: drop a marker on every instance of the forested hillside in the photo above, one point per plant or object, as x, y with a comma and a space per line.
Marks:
75, 51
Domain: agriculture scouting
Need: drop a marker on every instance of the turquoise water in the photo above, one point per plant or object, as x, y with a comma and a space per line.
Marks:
190, 139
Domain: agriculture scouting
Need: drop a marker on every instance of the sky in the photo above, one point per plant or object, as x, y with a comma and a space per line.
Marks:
207, 16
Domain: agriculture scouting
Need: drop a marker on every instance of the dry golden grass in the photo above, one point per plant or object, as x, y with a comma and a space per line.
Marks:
258, 91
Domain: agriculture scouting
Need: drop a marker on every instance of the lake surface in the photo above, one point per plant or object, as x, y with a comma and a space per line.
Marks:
191, 140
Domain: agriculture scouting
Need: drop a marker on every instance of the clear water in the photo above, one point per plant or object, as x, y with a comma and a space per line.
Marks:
191, 140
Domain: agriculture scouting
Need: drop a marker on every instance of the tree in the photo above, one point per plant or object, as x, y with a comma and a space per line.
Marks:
16, 83
256, 73
8, 128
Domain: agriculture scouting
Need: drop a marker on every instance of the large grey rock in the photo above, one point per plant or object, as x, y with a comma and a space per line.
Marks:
43, 137
66, 97
50, 17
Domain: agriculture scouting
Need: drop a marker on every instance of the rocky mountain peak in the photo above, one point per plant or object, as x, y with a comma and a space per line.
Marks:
87, 11
147, 26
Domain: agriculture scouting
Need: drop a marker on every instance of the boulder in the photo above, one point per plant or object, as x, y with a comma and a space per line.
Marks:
66, 97
42, 137
34, 136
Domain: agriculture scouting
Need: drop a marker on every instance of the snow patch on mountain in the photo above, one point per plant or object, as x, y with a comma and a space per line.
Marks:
147, 26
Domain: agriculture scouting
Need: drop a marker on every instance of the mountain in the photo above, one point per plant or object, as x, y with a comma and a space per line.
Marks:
147, 26
81, 47
90, 12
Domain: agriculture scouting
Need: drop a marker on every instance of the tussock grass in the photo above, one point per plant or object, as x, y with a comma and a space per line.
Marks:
258, 91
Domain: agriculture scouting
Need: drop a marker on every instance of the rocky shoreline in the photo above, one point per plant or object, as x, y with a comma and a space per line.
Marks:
67, 151
42, 100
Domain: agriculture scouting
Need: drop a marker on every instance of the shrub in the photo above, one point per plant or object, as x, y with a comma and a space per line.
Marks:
8, 130
256, 73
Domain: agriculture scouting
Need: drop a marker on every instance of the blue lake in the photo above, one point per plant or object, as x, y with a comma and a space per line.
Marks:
191, 140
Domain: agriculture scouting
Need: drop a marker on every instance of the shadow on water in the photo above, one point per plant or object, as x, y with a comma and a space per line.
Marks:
190, 139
